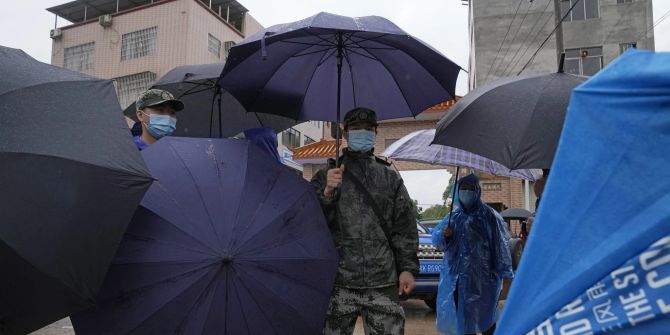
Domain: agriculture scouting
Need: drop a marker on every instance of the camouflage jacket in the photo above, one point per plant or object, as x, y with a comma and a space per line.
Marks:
369, 259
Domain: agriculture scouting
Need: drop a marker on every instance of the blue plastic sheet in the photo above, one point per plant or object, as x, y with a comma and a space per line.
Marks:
476, 259
608, 195
636, 293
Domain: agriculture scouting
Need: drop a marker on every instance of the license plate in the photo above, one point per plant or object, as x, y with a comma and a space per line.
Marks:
430, 268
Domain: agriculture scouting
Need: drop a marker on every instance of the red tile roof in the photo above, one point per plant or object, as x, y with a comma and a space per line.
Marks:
443, 106
322, 149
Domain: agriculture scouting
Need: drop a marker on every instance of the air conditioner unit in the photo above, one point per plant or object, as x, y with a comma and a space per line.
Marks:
105, 20
55, 33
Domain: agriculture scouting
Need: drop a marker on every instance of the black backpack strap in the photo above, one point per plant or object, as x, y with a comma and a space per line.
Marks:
371, 201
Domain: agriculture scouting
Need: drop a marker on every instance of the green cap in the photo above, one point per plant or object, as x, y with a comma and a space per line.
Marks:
360, 115
153, 97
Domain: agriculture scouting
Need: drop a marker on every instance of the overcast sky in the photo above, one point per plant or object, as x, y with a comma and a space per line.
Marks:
441, 23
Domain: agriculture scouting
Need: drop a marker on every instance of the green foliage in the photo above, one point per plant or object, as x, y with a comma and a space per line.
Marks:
435, 212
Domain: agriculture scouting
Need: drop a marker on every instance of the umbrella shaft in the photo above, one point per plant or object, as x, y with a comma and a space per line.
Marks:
339, 85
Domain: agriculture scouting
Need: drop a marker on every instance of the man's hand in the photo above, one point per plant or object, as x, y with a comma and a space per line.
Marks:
333, 180
447, 231
406, 283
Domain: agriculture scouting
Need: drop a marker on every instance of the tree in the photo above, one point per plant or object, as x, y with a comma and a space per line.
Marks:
435, 212
417, 209
447, 192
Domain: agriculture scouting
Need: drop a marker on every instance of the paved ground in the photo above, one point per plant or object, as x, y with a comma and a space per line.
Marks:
420, 321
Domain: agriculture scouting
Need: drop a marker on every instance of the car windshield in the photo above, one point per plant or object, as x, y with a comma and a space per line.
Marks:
421, 228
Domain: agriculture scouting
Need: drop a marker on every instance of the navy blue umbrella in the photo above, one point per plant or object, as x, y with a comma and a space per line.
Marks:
226, 241
315, 68
598, 258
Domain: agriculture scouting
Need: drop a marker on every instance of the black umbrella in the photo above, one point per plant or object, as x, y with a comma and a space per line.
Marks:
515, 213
203, 114
70, 180
514, 121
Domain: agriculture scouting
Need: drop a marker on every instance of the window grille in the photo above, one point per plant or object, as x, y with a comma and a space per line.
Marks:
226, 47
80, 57
290, 138
129, 87
584, 61
214, 45
138, 43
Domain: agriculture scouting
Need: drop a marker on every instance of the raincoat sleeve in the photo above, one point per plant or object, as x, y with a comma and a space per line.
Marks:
319, 183
439, 240
503, 258
404, 235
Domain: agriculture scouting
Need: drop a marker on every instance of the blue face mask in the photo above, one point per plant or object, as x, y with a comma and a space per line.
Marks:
466, 197
361, 140
161, 125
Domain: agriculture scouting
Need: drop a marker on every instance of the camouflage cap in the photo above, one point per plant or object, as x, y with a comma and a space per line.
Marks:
153, 97
360, 115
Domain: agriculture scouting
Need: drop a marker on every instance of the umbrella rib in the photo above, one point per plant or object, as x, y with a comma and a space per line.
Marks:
394, 79
317, 260
329, 44
191, 90
140, 237
244, 315
527, 126
177, 204
271, 292
351, 75
202, 199
199, 299
367, 39
313, 52
323, 59
258, 92
139, 324
233, 241
254, 216
255, 301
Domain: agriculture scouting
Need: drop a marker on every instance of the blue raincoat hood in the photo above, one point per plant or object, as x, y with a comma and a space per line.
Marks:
265, 138
471, 179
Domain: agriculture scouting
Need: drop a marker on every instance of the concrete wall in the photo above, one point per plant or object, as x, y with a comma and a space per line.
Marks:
618, 23
491, 20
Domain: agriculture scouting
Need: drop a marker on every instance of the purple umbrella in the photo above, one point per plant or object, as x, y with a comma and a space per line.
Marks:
226, 241
314, 68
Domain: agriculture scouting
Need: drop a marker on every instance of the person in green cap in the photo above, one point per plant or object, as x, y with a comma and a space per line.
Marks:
157, 113
373, 225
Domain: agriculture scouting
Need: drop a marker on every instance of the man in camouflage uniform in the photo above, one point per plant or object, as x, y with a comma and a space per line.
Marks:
157, 114
377, 254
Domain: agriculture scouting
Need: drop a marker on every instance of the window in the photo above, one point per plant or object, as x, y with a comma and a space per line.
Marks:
226, 47
308, 140
624, 1
129, 87
625, 46
138, 43
290, 138
584, 61
584, 10
388, 142
80, 57
214, 45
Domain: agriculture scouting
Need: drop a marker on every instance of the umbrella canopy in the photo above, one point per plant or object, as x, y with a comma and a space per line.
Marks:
70, 179
292, 69
417, 147
227, 241
515, 213
605, 203
514, 121
203, 116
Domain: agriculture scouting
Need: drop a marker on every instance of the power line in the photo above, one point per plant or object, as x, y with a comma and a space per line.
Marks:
526, 39
514, 38
548, 37
665, 16
503, 41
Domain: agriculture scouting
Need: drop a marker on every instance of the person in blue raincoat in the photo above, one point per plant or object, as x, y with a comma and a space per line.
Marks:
476, 260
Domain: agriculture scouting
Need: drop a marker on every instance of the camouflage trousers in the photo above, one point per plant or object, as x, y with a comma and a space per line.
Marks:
380, 309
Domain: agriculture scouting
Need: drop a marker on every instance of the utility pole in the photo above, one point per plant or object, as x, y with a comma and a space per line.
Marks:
559, 32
